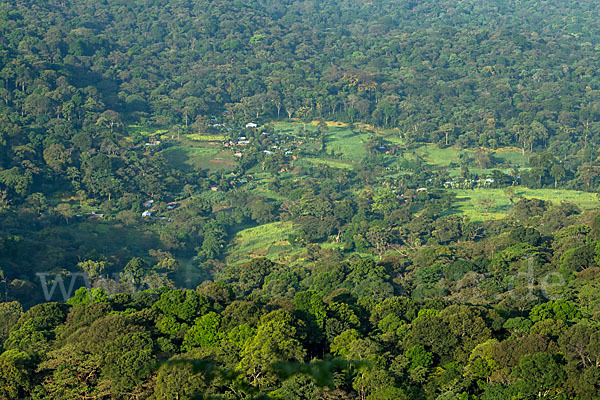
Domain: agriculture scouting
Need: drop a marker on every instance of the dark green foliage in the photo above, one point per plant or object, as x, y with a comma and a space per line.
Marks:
374, 282
182, 304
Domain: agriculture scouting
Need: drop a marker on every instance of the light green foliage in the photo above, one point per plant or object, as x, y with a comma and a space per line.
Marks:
276, 339
85, 296
312, 303
14, 374
204, 333
93, 268
182, 304
240, 335
481, 360
384, 201
10, 313
557, 310
341, 344
539, 372
419, 358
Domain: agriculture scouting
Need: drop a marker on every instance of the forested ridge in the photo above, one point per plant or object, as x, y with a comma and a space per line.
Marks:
351, 334
299, 200
491, 69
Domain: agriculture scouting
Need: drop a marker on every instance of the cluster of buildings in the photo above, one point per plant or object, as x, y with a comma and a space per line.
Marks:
150, 209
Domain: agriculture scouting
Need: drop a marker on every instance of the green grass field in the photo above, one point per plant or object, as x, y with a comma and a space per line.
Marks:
469, 206
393, 137
444, 157
146, 131
350, 144
441, 157
205, 157
331, 163
291, 127
264, 240
205, 138
513, 156
340, 138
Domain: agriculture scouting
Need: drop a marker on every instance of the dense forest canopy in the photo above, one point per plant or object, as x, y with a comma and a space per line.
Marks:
237, 199
492, 69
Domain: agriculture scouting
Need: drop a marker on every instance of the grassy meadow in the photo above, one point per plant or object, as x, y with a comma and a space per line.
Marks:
199, 157
204, 151
470, 206
261, 241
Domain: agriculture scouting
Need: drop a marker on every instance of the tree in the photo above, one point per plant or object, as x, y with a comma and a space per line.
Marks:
178, 379
262, 211
125, 360
15, 377
56, 157
204, 333
110, 119
9, 315
135, 269
558, 173
486, 203
537, 131
384, 201
276, 340
588, 172
17, 180
93, 268
446, 129
38, 202
540, 374
65, 210
184, 305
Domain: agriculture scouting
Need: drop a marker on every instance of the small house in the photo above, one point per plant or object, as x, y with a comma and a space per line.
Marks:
146, 213
251, 125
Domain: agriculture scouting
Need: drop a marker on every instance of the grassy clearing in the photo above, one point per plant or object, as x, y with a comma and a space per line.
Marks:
513, 156
337, 124
331, 163
469, 200
146, 131
264, 240
584, 200
444, 157
351, 145
394, 137
205, 138
184, 157
469, 206
340, 138
441, 156
292, 127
